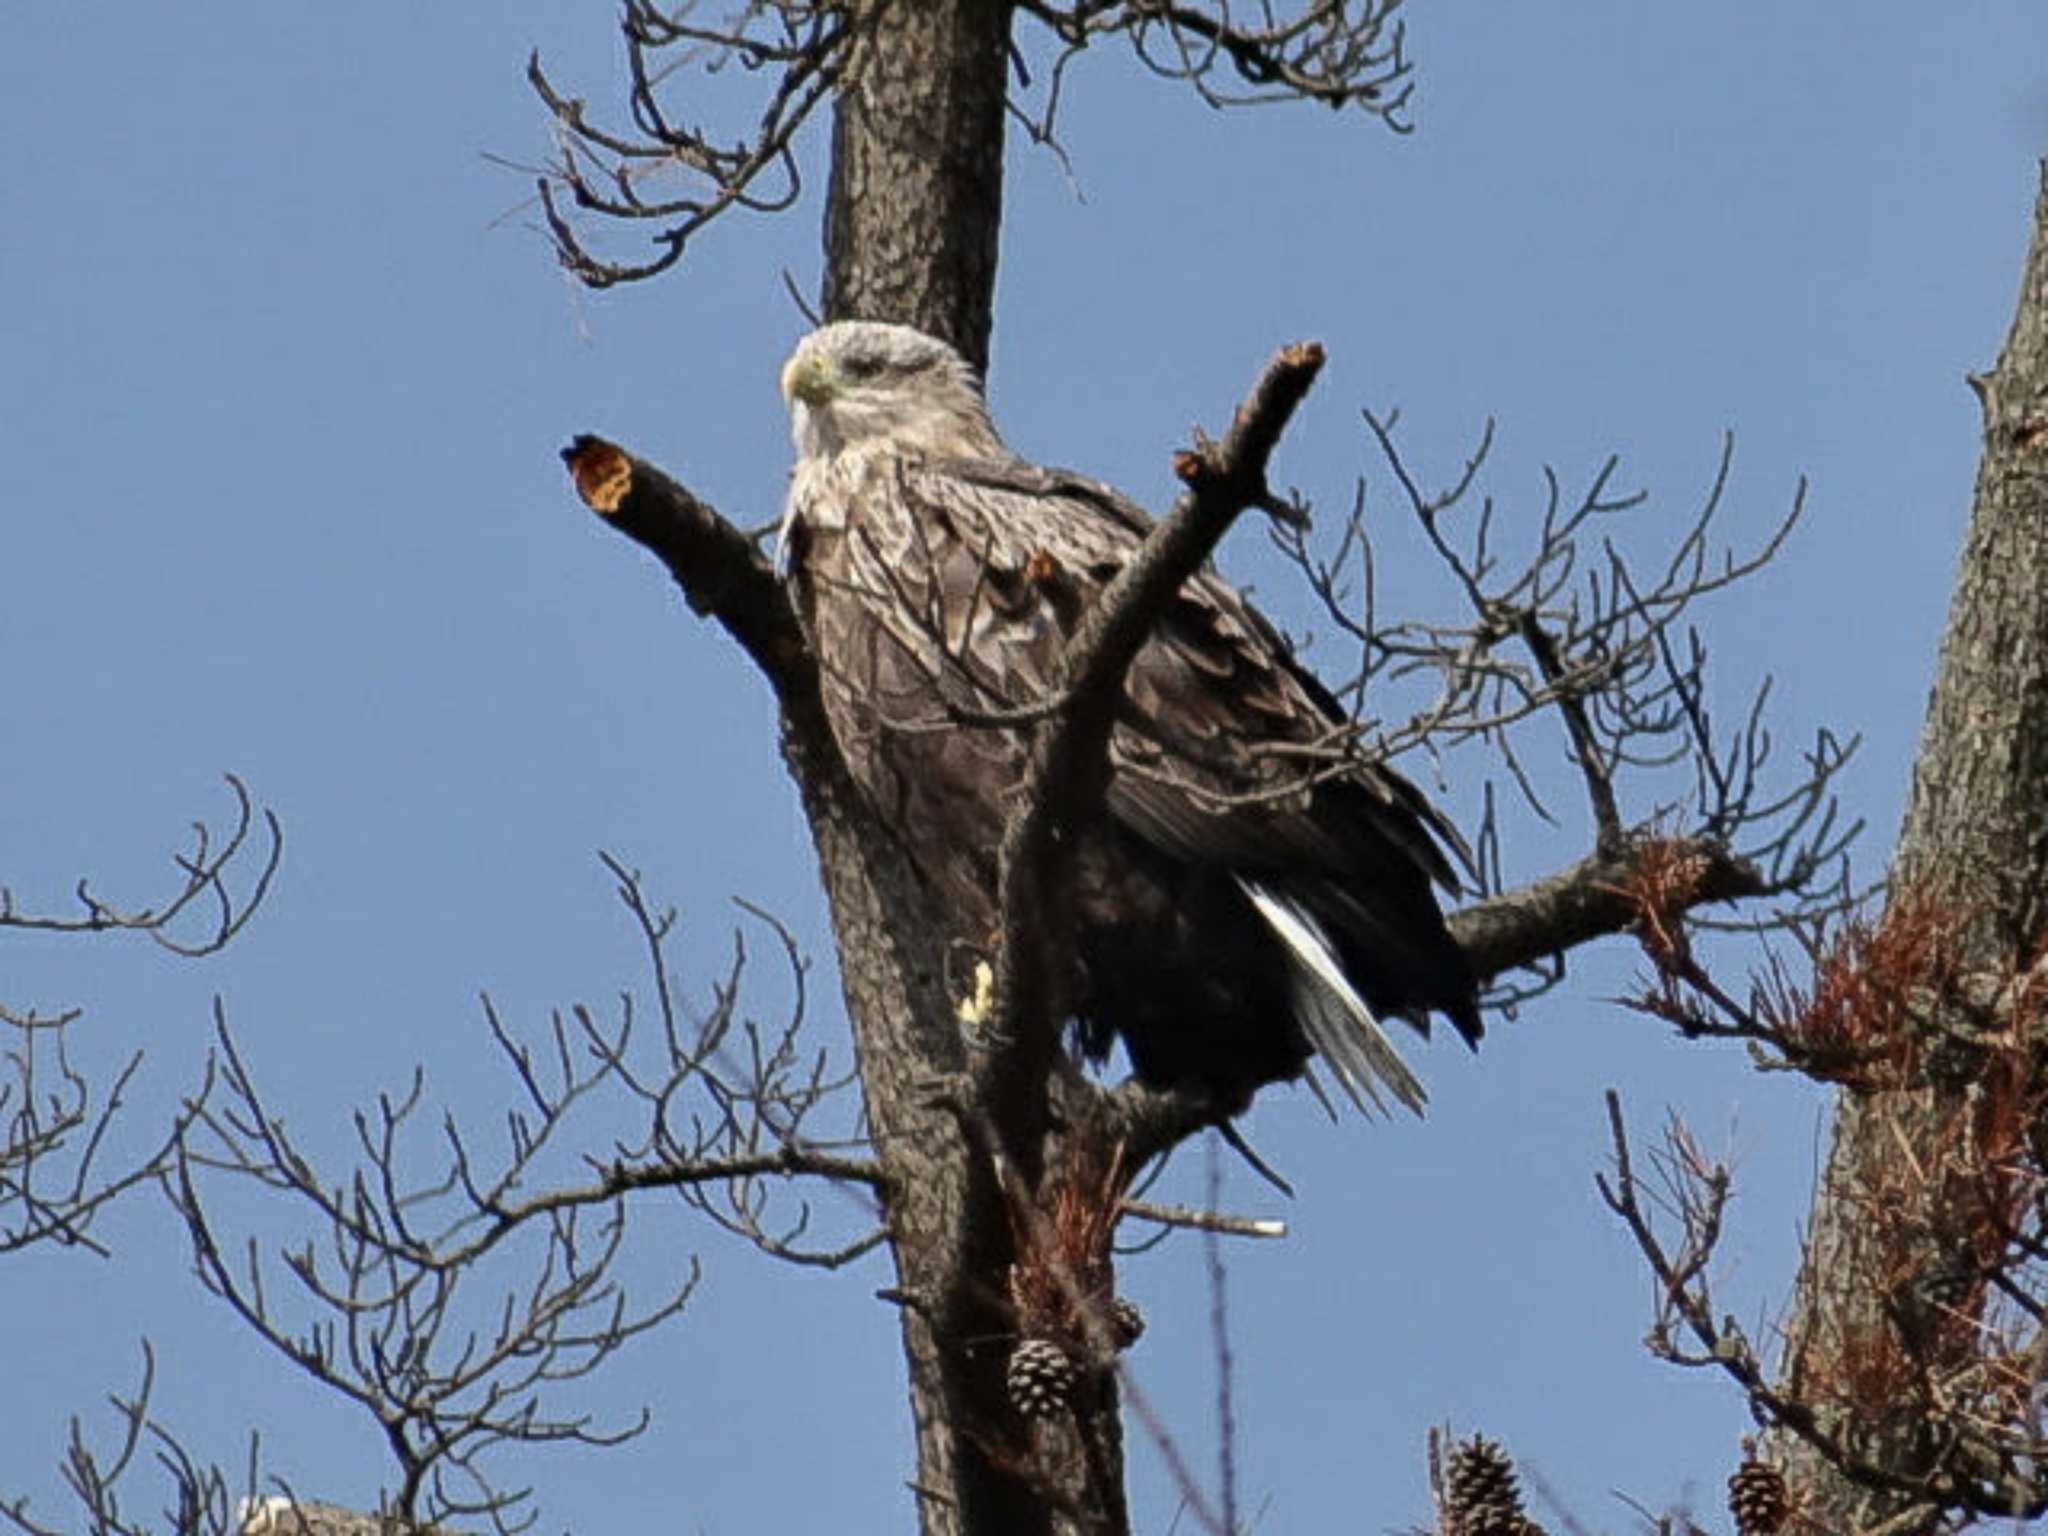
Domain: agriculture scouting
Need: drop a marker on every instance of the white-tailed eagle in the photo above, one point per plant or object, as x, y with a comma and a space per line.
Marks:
1244, 903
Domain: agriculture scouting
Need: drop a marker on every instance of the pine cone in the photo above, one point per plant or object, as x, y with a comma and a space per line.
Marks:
1479, 1479
1480, 1492
1497, 1520
1756, 1497
1040, 1379
1126, 1322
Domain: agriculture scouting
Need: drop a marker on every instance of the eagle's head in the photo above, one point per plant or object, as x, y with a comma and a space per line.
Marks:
860, 383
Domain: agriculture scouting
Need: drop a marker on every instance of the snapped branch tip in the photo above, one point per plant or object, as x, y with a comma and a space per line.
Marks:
602, 472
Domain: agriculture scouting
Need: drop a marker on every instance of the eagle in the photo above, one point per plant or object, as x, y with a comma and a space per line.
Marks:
1257, 892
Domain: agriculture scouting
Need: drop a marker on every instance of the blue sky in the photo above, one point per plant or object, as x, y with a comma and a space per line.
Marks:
283, 370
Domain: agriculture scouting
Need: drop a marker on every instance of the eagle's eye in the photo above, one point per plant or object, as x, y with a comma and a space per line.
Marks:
860, 366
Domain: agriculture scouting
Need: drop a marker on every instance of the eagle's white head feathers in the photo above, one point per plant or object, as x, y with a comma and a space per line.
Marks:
860, 383
859, 387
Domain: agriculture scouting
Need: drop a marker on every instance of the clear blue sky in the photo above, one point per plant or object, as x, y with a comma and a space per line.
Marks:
283, 370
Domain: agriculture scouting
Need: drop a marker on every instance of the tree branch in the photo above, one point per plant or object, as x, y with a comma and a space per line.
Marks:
1062, 791
1587, 900
722, 573
204, 871
1204, 1221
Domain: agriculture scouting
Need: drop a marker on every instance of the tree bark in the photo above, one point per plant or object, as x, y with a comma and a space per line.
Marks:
947, 1229
1976, 836
911, 226
916, 199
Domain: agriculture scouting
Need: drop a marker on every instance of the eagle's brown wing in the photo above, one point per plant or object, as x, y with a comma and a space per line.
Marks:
957, 583
1225, 735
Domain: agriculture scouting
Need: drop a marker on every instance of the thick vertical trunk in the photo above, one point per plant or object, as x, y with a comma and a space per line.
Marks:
911, 228
948, 1234
1976, 833
917, 169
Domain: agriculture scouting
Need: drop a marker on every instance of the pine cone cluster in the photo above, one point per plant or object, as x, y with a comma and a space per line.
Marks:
1041, 1378
1481, 1494
1756, 1496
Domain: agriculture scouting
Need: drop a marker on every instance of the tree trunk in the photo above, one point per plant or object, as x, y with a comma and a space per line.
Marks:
1976, 835
917, 170
947, 1230
911, 226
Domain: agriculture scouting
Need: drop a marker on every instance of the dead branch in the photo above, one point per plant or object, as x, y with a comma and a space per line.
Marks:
204, 889
1338, 53
53, 1136
1944, 1373
679, 177
199, 1500
721, 571
1203, 1221
52, 1182
1588, 900
1069, 772
664, 171
1601, 651
449, 1304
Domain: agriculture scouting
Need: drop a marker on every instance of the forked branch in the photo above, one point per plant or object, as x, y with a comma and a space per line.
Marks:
55, 1116
449, 1299
217, 910
1062, 792
665, 171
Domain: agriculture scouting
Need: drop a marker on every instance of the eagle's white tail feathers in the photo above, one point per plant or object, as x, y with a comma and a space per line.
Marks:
1315, 1086
1331, 1013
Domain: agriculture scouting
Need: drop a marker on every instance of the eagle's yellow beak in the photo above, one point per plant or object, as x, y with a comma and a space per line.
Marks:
807, 377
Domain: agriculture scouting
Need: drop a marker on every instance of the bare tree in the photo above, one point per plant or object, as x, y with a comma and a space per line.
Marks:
919, 96
450, 1287
448, 1306
990, 1151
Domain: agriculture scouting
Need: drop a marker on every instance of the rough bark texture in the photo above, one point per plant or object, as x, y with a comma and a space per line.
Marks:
1976, 832
947, 1230
911, 226
917, 170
